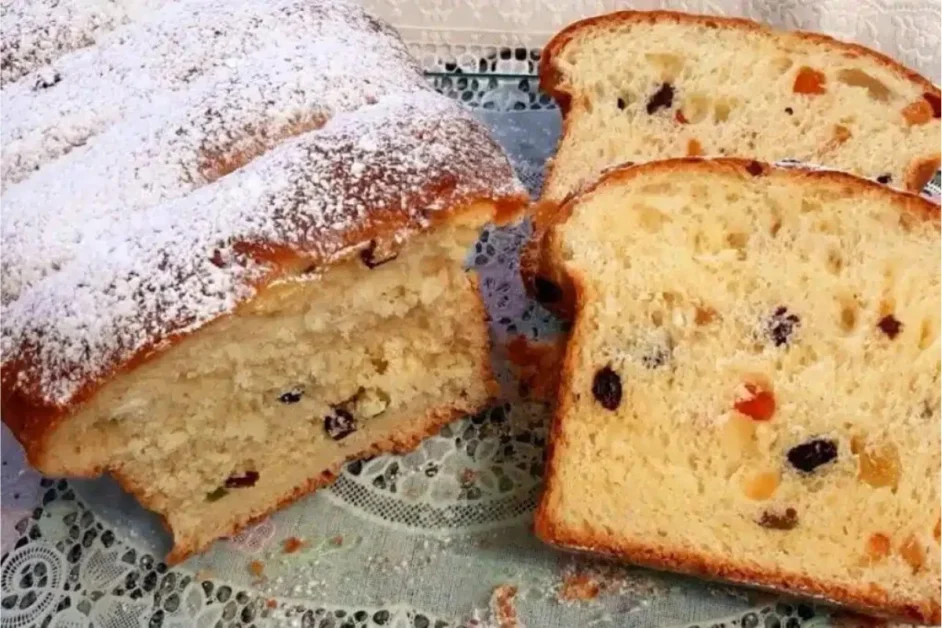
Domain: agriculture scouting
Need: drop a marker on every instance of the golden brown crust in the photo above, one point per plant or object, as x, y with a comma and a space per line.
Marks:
535, 364
870, 599
921, 171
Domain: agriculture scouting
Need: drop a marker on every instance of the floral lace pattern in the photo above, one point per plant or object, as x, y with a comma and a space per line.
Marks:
459, 32
69, 561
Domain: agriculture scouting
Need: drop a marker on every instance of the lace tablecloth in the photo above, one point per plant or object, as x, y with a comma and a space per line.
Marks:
439, 537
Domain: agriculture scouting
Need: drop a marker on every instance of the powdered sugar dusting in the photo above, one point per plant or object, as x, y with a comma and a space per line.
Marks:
38, 32
170, 212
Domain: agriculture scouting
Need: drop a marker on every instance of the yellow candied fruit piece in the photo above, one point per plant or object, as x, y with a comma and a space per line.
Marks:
877, 466
761, 486
738, 434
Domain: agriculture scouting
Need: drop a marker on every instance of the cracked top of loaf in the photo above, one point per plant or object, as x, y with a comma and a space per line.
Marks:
157, 174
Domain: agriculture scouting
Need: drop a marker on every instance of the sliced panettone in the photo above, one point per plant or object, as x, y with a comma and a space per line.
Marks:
751, 387
233, 257
642, 86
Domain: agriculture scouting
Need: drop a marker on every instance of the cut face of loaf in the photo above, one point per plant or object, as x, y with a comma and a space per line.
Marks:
641, 86
266, 404
751, 387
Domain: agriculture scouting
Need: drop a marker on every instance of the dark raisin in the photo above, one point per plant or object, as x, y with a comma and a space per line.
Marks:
218, 260
789, 110
249, 478
781, 326
340, 424
933, 100
890, 326
809, 456
44, 82
546, 290
663, 98
621, 103
884, 179
370, 258
606, 387
779, 521
754, 168
216, 495
292, 396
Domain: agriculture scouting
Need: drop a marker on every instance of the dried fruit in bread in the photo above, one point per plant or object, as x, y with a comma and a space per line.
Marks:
789, 442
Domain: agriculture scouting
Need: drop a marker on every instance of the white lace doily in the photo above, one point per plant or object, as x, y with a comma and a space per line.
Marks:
907, 30
421, 540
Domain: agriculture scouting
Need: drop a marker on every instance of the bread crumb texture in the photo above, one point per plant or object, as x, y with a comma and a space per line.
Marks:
792, 434
642, 87
256, 407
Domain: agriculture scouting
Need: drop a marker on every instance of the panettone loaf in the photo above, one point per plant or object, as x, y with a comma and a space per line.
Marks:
751, 388
641, 86
233, 256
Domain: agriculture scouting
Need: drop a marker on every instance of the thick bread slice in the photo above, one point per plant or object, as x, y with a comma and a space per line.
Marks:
751, 388
642, 86
247, 267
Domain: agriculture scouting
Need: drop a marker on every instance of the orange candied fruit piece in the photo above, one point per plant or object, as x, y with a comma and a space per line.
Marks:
809, 81
694, 149
878, 547
917, 112
912, 553
759, 405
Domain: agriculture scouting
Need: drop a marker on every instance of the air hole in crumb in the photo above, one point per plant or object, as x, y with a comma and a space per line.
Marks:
789, 110
621, 103
650, 218
657, 318
380, 365
695, 108
782, 64
808, 206
926, 335
858, 78
835, 262
737, 240
291, 396
669, 65
721, 111
247, 479
848, 316
216, 495
884, 178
